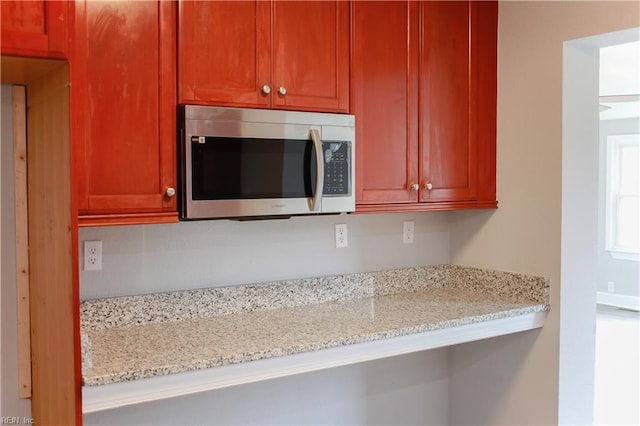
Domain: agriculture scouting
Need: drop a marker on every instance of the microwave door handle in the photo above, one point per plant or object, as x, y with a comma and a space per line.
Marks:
317, 196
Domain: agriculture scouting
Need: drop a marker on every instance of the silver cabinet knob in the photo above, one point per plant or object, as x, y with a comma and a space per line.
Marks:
170, 192
414, 187
266, 89
428, 186
282, 90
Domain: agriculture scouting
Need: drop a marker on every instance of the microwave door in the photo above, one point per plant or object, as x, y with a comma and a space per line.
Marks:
255, 176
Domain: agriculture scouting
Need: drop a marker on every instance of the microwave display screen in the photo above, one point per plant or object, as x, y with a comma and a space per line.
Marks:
225, 168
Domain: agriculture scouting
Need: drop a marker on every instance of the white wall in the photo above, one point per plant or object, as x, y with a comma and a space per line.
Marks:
524, 234
11, 404
624, 273
404, 390
152, 258
579, 232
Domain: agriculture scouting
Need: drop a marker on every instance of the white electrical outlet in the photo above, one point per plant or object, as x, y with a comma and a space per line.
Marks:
407, 232
611, 287
93, 255
341, 235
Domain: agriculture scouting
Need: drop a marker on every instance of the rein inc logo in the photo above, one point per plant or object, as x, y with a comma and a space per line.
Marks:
16, 420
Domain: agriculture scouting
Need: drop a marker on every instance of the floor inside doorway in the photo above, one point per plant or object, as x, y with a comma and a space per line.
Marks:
617, 375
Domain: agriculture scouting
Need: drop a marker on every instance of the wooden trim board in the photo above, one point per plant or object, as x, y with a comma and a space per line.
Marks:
54, 298
22, 239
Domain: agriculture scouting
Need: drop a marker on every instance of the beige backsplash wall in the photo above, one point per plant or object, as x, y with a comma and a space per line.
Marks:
530, 378
141, 259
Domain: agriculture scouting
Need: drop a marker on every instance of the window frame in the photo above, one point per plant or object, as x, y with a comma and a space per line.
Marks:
615, 144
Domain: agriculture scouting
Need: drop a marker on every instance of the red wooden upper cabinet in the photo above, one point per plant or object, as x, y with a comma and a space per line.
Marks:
124, 111
458, 102
424, 92
35, 28
264, 54
224, 52
310, 60
384, 98
448, 150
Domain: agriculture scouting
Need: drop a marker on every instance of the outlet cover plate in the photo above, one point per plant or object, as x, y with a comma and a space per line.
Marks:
407, 231
92, 255
341, 235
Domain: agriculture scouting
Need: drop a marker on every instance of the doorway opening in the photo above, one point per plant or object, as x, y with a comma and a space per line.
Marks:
581, 211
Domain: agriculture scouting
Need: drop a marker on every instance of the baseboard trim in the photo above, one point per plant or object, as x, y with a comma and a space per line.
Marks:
619, 300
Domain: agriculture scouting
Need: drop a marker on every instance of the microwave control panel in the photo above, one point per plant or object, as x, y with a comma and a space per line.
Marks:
336, 168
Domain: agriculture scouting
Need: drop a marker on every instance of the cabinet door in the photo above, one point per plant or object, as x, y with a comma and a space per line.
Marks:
34, 28
224, 52
448, 146
484, 42
384, 88
123, 107
311, 55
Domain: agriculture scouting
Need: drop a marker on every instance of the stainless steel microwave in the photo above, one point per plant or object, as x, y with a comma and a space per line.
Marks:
253, 163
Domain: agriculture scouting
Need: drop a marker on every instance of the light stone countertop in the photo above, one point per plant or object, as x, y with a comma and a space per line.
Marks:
138, 337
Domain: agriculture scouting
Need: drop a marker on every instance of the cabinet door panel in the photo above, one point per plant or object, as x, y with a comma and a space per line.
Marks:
448, 151
311, 55
224, 52
124, 102
34, 28
484, 41
384, 99
27, 16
